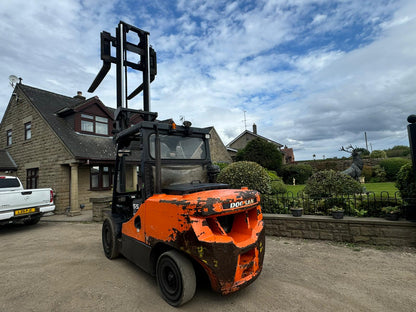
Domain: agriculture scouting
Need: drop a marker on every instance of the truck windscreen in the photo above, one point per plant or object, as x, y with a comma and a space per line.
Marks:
178, 147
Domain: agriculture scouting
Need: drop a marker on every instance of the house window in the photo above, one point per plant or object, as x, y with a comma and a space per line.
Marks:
9, 137
87, 123
32, 176
94, 124
28, 131
100, 177
101, 125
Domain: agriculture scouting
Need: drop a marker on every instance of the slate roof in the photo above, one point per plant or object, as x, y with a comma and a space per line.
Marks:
82, 146
6, 161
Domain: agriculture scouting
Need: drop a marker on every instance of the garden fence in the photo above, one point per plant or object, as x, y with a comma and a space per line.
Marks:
368, 204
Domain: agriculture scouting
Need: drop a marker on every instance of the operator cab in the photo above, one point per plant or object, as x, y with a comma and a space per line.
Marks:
170, 159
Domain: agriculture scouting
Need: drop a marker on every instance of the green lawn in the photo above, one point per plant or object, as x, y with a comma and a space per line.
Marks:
377, 188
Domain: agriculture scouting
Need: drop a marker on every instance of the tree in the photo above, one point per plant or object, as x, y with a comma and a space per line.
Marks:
363, 151
300, 173
262, 152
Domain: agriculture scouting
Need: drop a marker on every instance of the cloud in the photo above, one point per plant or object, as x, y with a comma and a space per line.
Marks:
313, 75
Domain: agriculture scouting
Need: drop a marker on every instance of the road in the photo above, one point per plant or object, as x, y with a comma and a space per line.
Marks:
60, 266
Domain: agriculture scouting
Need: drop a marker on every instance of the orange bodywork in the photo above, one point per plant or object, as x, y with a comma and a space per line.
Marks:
220, 229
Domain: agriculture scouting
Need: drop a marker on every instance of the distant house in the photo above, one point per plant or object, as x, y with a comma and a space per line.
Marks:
52, 140
241, 141
288, 155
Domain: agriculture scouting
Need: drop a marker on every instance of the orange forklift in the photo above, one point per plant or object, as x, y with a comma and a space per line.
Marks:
177, 220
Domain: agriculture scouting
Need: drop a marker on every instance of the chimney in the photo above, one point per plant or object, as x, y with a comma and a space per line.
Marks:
79, 96
254, 128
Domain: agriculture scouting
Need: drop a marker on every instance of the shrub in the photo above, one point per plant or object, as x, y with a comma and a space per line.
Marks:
367, 173
398, 151
328, 183
374, 207
271, 204
246, 173
301, 173
378, 154
392, 167
262, 152
406, 183
276, 183
379, 174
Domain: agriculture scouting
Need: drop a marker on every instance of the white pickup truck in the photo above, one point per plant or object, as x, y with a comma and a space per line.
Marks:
20, 205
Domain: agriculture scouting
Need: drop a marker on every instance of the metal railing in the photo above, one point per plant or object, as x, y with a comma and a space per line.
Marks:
367, 204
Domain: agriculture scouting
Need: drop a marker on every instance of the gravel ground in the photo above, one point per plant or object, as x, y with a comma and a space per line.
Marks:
60, 266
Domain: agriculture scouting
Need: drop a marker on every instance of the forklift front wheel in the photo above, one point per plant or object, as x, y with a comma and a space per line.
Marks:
175, 277
110, 244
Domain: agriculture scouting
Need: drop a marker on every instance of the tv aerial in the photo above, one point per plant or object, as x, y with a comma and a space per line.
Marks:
14, 80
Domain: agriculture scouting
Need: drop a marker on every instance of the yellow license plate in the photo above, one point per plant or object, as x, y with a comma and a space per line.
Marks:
24, 211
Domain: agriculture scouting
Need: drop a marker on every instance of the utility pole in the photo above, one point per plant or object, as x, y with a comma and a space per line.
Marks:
366, 143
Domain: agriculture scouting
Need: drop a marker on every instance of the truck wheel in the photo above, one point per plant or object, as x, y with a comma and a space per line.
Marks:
110, 243
175, 277
32, 220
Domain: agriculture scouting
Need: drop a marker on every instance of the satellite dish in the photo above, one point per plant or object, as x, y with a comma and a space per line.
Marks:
13, 80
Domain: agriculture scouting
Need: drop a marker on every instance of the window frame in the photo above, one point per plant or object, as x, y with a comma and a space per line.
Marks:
101, 174
28, 131
32, 173
94, 120
9, 137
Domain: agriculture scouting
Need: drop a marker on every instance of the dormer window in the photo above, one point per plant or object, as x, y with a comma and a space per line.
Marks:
94, 124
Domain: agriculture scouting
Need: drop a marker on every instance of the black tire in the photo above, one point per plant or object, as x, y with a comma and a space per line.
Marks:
32, 220
175, 277
109, 238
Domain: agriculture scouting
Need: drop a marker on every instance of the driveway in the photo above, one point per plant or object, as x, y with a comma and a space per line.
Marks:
60, 266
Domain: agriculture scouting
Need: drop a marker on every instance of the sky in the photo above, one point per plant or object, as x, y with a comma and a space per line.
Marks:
314, 75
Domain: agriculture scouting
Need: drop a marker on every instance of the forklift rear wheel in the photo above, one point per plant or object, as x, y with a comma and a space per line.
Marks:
110, 244
175, 277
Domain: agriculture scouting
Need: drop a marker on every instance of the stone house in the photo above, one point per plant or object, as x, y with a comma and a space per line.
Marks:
52, 140
241, 141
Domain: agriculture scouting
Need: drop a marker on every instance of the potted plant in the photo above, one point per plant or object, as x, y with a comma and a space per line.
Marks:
296, 208
337, 212
392, 212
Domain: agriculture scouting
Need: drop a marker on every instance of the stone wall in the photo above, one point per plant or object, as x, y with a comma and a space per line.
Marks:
375, 231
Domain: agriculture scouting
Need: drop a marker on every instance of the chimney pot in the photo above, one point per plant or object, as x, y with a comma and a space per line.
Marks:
254, 128
79, 95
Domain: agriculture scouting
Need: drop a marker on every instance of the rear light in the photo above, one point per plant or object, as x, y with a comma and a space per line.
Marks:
51, 197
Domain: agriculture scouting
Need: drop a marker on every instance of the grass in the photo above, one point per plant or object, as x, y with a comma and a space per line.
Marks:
377, 188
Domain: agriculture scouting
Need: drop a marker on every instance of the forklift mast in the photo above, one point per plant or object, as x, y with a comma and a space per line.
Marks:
122, 116
147, 65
